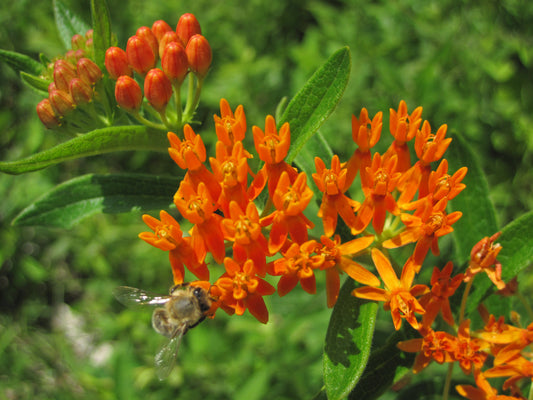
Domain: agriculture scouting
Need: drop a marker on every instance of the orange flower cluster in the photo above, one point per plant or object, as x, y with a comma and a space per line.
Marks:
180, 51
404, 203
72, 77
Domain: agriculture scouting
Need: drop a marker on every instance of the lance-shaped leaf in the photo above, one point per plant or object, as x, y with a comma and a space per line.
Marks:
315, 102
35, 82
517, 246
101, 30
348, 342
21, 62
81, 197
67, 23
479, 218
99, 141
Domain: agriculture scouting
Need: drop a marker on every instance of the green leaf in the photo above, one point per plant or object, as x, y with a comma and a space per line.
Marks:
315, 102
316, 146
101, 30
386, 365
479, 218
67, 23
35, 82
348, 342
99, 141
21, 62
517, 246
72, 201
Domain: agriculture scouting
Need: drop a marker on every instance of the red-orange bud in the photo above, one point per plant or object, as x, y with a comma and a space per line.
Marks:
89, 34
199, 55
47, 115
77, 42
116, 63
61, 102
174, 62
80, 91
187, 27
157, 89
167, 38
159, 28
88, 71
147, 34
64, 72
128, 93
140, 55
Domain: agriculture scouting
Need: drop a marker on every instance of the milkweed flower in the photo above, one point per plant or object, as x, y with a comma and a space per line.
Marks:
440, 184
198, 207
469, 351
297, 265
239, 288
403, 127
167, 236
399, 296
338, 259
272, 148
381, 180
244, 229
483, 258
428, 223
483, 391
332, 182
365, 137
230, 127
288, 219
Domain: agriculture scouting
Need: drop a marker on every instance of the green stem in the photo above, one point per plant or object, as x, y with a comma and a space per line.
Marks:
146, 122
447, 382
463, 300
177, 99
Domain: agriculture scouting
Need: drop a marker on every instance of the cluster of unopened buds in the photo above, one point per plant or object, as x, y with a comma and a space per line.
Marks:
72, 88
180, 52
404, 203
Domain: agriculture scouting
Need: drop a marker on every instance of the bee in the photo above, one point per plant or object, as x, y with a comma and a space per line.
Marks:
184, 308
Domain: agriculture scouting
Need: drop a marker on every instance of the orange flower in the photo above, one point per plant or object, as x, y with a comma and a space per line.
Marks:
190, 154
433, 346
483, 258
403, 127
240, 289
244, 230
230, 128
440, 184
365, 138
443, 286
199, 208
297, 265
381, 181
469, 351
290, 202
272, 148
230, 169
338, 260
332, 182
429, 147
168, 236
428, 223
483, 391
399, 296
510, 362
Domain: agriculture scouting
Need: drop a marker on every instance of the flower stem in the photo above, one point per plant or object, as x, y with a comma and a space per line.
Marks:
447, 382
146, 122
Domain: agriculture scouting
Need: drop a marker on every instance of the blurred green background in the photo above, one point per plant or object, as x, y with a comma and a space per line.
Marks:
62, 334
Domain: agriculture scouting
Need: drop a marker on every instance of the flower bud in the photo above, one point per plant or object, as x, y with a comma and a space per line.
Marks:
157, 89
88, 71
47, 115
159, 28
61, 102
199, 55
77, 42
187, 27
147, 34
128, 93
51, 86
140, 55
89, 34
79, 54
167, 38
80, 91
174, 62
116, 63
63, 73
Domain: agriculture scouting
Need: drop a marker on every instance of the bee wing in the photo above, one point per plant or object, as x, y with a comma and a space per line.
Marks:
166, 356
131, 297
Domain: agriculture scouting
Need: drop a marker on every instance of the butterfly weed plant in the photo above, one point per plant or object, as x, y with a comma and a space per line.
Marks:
268, 206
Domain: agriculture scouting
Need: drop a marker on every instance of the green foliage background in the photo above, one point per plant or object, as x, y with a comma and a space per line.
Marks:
63, 336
